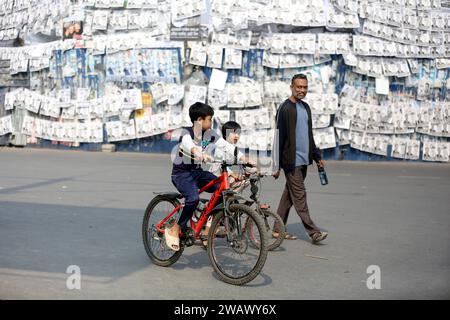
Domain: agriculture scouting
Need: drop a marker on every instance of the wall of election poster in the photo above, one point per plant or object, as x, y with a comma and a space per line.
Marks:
87, 72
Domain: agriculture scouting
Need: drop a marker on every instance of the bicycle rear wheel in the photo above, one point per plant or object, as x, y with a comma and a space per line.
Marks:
272, 223
155, 245
234, 260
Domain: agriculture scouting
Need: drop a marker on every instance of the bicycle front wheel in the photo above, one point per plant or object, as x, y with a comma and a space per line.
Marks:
272, 223
232, 257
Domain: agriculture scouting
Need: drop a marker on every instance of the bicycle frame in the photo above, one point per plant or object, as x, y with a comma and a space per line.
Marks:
197, 227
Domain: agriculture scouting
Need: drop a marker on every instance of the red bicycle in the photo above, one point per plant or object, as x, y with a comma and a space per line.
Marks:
230, 253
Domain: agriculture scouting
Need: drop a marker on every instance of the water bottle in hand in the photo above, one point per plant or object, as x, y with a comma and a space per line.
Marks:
323, 176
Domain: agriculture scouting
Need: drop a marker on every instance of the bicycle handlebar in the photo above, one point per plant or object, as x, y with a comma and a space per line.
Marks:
238, 163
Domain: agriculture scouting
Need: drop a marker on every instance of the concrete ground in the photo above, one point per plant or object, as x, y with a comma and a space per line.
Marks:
63, 208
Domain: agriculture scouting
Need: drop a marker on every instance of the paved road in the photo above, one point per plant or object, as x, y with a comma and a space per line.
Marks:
62, 208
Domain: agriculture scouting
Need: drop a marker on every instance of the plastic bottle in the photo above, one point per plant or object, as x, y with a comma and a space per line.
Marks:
323, 176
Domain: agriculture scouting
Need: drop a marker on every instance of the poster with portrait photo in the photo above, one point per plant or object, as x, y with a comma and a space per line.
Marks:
100, 20
325, 138
159, 92
198, 54
215, 56
304, 43
290, 61
410, 117
175, 117
412, 150
327, 43
429, 151
68, 113
97, 108
360, 112
159, 123
380, 146
233, 59
30, 98
196, 94
246, 118
399, 148
374, 115
358, 126
253, 94
372, 128
442, 151
217, 98
368, 142
375, 68
271, 60
356, 139
28, 125
343, 42
436, 129
6, 125
221, 116
320, 121
143, 127
341, 122
343, 137
399, 123
132, 99
424, 88
176, 94
72, 30
242, 40
236, 96
263, 119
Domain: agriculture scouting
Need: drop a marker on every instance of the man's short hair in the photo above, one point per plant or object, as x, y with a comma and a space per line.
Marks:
230, 127
299, 76
200, 110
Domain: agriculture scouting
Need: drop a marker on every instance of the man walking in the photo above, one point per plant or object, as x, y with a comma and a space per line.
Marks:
295, 149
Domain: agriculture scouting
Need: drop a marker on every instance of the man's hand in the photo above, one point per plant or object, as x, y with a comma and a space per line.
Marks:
321, 164
276, 174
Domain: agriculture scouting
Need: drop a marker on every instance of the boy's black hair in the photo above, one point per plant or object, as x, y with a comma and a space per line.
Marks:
200, 110
298, 76
230, 127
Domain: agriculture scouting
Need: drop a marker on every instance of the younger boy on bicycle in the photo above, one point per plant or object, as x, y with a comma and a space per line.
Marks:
231, 132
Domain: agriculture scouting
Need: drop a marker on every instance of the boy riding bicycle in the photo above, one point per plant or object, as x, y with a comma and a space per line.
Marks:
187, 173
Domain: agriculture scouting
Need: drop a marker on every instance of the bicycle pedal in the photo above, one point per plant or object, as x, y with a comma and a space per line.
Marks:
188, 237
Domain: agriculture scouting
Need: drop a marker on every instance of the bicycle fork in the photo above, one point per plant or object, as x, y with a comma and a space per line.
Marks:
232, 224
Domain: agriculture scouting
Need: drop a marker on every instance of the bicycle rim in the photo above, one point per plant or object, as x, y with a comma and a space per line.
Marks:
234, 259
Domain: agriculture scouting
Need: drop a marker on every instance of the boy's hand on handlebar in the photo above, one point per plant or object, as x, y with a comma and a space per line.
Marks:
276, 174
251, 164
235, 177
207, 158
203, 157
